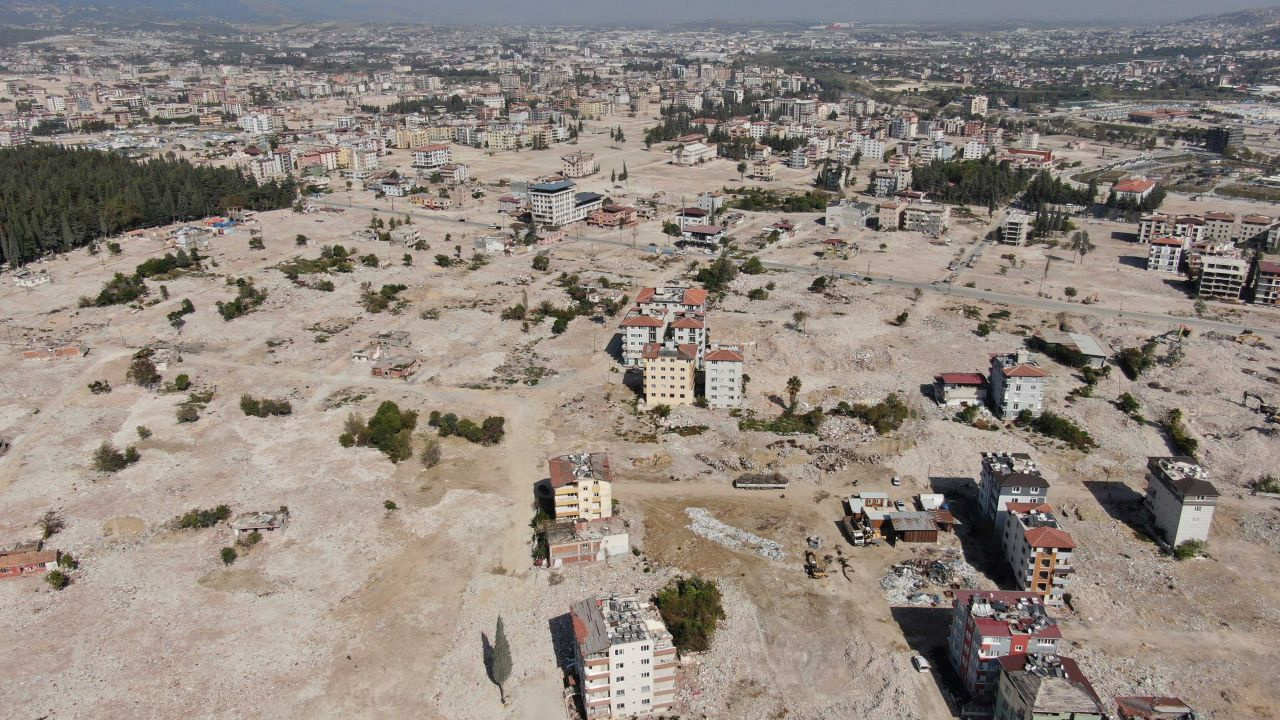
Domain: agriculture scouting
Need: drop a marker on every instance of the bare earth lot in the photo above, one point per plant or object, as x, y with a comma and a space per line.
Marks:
356, 611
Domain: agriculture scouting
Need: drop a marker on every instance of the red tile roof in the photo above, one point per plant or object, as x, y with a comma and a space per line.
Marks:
1047, 537
688, 323
1166, 241
724, 356
645, 294
1025, 371
641, 321
1268, 266
962, 379
1133, 186
695, 296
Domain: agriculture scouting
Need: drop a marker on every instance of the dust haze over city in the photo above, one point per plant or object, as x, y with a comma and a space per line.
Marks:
703, 360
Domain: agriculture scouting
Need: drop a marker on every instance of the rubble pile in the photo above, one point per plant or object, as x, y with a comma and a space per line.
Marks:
905, 583
1262, 528
706, 526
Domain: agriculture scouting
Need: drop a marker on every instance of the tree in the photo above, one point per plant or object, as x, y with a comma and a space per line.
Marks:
430, 452
541, 263
752, 266
797, 318
1080, 244
742, 171
229, 555
793, 389
143, 372
57, 579
51, 523
690, 609
501, 660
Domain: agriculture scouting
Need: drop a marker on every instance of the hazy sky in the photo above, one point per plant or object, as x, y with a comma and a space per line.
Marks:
660, 12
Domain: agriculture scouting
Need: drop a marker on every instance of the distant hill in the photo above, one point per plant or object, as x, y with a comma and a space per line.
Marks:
1258, 17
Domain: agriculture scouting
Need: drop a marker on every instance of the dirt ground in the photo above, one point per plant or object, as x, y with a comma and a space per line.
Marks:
355, 607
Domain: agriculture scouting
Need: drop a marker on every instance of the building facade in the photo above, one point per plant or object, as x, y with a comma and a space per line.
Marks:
987, 625
582, 486
625, 658
1007, 478
1017, 384
1180, 499
1038, 550
723, 377
669, 374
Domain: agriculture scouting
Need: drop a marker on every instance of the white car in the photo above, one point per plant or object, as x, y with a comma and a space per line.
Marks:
920, 664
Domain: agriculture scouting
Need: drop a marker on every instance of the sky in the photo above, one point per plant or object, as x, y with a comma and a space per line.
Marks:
661, 12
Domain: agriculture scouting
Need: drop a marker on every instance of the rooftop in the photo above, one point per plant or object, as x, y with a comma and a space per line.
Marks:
1182, 476
1007, 612
601, 623
552, 187
1009, 469
1051, 684
574, 467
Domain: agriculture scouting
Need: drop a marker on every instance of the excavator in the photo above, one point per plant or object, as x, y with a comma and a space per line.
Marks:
1266, 409
814, 566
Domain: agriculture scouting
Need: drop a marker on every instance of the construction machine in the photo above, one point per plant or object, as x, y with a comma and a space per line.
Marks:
814, 566
1266, 409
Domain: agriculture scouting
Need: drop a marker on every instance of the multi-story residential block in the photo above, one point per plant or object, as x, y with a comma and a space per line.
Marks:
1180, 499
849, 214
974, 150
723, 377
557, 204
1254, 228
1009, 478
711, 202
1266, 282
638, 330
928, 218
625, 657
974, 104
1219, 227
1189, 228
987, 625
579, 164
1164, 254
884, 182
1222, 278
669, 374
1038, 550
1050, 687
582, 486
261, 123
1272, 243
1016, 228
1017, 384
690, 329
430, 157
671, 298
692, 153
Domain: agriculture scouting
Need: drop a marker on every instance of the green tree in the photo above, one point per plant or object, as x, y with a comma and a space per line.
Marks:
690, 608
229, 555
501, 660
541, 263
793, 389
142, 371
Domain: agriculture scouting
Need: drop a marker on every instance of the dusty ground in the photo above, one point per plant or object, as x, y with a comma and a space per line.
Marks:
356, 608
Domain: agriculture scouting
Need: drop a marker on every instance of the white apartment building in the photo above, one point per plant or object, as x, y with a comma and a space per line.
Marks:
1164, 254
639, 330
974, 104
1017, 384
582, 486
1009, 478
1180, 499
557, 204
928, 218
362, 164
1190, 228
691, 329
693, 153
711, 201
260, 123
722, 379
974, 150
429, 157
1016, 228
1219, 227
1038, 551
625, 657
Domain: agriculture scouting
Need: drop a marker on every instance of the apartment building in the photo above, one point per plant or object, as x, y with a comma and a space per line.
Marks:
974, 104
261, 123
692, 153
669, 374
1189, 228
1009, 478
1180, 498
1219, 227
1222, 278
1266, 282
579, 164
1038, 550
639, 330
1254, 229
582, 486
625, 657
671, 298
556, 203
1017, 384
723, 377
1164, 254
1045, 687
1016, 228
987, 625
928, 218
430, 157
690, 329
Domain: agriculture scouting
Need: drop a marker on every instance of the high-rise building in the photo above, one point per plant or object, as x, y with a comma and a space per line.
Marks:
625, 657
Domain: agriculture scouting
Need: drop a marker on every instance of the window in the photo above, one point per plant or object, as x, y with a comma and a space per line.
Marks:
620, 693
644, 701
617, 652
644, 674
644, 661
621, 705
644, 647
618, 666
644, 688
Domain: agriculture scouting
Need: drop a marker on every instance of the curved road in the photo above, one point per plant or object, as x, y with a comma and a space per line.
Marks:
1036, 303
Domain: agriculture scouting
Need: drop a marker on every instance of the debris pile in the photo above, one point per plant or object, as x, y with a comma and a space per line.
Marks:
706, 526
905, 582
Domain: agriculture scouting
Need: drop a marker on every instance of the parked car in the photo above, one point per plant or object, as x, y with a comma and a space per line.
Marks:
899, 505
896, 481
920, 664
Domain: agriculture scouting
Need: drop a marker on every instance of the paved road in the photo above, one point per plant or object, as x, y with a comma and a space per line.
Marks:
1036, 303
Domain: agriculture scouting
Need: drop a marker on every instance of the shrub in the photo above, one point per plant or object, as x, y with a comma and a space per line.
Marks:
197, 518
662, 411
1135, 361
247, 299
559, 326
1070, 292
885, 416
819, 284
1056, 426
229, 555
187, 414
753, 266
1189, 549
984, 328
1128, 404
182, 383
1266, 484
255, 243
489, 432
430, 452
108, 459
57, 579
264, 407
542, 263
389, 505
786, 424
144, 432
99, 387
1178, 433
119, 290
369, 260
690, 608
901, 319
142, 371
389, 430
758, 294
50, 523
